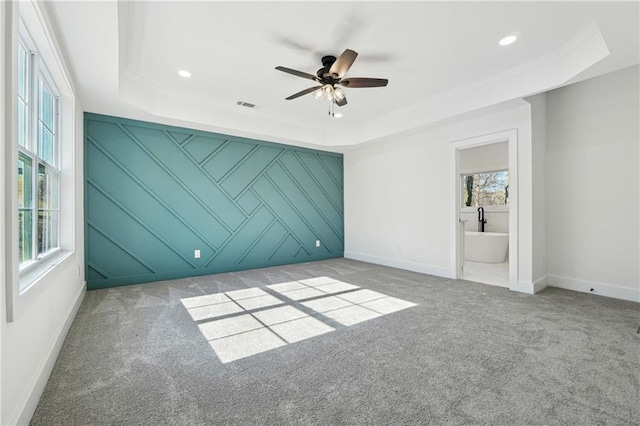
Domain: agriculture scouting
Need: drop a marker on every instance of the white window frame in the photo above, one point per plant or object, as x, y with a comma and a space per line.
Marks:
38, 74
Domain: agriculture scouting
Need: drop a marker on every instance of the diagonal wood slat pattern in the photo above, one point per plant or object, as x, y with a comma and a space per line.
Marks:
155, 193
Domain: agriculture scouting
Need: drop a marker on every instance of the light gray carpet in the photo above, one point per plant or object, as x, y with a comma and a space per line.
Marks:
466, 354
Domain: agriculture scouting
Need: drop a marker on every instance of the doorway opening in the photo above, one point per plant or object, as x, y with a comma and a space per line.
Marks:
485, 209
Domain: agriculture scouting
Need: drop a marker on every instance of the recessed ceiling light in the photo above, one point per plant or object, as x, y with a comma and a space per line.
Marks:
508, 40
184, 73
337, 115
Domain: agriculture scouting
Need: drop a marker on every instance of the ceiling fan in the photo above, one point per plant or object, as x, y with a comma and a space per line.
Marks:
331, 75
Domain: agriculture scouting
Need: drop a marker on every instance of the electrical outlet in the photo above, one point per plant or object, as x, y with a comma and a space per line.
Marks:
317, 243
196, 254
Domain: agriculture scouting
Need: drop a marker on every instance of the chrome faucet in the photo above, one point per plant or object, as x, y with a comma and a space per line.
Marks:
481, 219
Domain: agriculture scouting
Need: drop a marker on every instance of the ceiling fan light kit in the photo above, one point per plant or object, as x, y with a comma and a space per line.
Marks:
332, 74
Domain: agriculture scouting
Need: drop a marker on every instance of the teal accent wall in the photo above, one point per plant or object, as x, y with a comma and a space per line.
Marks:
155, 193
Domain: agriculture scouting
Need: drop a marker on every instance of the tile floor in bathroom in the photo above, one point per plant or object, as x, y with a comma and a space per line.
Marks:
487, 273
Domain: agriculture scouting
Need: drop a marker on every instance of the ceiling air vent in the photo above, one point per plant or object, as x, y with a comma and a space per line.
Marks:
247, 104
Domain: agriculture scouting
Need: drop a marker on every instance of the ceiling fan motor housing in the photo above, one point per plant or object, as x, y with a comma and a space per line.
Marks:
328, 60
323, 73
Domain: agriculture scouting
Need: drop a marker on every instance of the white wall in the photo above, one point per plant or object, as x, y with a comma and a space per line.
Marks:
484, 158
497, 221
42, 315
539, 173
592, 185
398, 195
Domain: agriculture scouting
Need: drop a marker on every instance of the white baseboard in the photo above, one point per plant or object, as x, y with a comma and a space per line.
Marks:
540, 283
522, 287
37, 385
600, 289
400, 264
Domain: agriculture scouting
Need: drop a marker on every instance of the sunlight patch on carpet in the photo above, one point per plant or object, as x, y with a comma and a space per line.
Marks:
241, 323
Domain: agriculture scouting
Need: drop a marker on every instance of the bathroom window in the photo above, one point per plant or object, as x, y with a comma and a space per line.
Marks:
485, 189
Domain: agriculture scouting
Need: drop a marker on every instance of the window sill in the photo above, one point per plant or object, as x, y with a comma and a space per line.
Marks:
40, 269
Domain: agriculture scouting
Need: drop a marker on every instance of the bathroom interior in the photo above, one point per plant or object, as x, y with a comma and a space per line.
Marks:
484, 211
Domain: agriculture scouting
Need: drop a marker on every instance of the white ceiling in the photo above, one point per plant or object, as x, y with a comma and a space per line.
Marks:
483, 158
441, 59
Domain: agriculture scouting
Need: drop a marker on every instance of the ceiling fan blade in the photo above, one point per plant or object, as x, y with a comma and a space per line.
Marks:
376, 57
342, 102
364, 82
343, 63
304, 92
294, 44
298, 73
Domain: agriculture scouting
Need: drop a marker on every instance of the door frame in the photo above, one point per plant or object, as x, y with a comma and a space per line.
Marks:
511, 137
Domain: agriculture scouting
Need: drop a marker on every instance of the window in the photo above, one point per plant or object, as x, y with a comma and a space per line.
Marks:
485, 189
38, 159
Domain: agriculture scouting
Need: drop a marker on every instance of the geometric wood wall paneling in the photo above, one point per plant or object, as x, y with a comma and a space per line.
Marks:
155, 193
